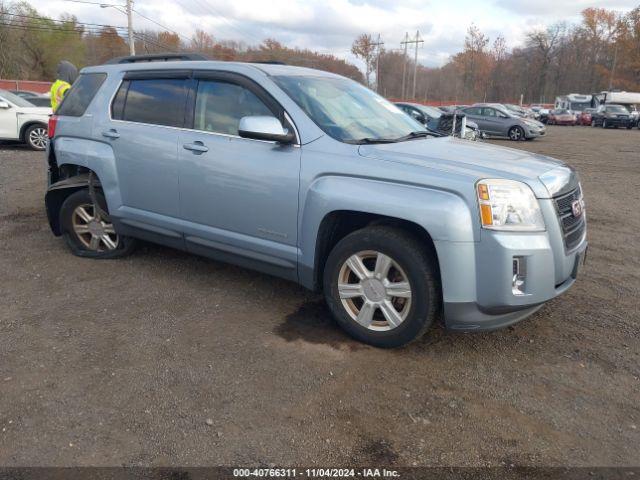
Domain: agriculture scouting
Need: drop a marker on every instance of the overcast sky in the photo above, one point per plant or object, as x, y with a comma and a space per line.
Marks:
331, 25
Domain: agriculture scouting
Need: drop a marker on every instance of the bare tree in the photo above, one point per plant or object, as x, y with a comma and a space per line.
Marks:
364, 47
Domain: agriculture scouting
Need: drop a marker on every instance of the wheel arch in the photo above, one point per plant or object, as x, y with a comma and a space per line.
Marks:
336, 206
29, 123
337, 224
58, 192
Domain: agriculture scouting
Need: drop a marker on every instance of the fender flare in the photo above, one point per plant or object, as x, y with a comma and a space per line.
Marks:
444, 215
58, 192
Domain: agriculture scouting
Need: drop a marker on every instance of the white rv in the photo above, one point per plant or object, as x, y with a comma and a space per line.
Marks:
630, 100
574, 102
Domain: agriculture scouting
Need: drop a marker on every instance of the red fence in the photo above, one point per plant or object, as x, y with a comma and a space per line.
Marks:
29, 85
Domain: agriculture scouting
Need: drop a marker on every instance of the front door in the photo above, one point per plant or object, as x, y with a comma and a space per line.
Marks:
239, 197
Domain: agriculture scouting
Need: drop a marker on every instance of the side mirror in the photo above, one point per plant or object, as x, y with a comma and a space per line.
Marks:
265, 128
4, 104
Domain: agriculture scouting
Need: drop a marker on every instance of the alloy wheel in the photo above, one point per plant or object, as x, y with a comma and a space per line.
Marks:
94, 233
515, 133
38, 138
374, 290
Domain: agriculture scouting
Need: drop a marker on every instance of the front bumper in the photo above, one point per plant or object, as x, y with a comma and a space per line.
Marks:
535, 132
478, 278
619, 122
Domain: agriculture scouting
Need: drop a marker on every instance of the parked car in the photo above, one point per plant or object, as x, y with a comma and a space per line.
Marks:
33, 98
584, 118
314, 178
542, 113
612, 116
498, 122
22, 121
560, 116
437, 121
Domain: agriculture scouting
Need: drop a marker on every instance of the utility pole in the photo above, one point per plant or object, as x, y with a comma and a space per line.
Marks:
613, 67
132, 46
404, 67
417, 40
378, 44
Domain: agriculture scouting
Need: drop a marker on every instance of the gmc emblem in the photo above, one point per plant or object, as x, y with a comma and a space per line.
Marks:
577, 208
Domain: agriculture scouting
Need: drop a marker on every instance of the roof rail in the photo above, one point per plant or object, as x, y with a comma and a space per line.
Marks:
269, 62
157, 57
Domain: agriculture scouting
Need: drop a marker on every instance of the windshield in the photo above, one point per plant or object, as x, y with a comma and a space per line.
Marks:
15, 99
430, 111
347, 111
580, 106
617, 109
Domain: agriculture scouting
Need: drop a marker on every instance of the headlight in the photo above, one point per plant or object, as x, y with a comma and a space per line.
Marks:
508, 205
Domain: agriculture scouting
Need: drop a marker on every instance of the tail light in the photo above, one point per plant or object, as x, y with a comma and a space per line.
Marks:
53, 121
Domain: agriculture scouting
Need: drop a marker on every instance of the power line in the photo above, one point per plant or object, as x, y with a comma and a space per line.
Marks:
160, 25
205, 6
57, 30
96, 3
64, 22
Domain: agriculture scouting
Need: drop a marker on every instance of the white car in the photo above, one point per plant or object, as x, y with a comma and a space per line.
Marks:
21, 121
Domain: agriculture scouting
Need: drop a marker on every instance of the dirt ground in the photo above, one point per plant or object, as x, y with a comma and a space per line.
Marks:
165, 358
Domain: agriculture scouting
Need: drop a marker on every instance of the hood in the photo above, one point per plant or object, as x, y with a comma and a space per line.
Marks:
478, 160
67, 72
35, 111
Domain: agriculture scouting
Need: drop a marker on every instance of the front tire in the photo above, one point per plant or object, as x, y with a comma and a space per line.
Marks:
36, 137
516, 133
382, 286
87, 233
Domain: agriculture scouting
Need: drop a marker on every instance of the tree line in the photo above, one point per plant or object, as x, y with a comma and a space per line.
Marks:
31, 45
600, 52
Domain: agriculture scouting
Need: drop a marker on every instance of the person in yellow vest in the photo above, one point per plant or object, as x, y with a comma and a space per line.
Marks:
66, 74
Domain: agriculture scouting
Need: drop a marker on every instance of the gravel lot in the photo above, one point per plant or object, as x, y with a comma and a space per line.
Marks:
165, 358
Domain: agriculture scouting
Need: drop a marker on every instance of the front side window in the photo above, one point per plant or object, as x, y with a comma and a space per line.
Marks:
221, 105
78, 98
489, 112
153, 101
347, 111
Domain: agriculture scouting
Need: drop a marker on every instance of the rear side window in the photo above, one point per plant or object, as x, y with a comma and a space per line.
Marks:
79, 96
153, 101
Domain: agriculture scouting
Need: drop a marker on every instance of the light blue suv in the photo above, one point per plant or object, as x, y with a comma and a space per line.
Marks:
312, 177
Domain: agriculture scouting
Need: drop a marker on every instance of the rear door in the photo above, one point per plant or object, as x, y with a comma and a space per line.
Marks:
147, 114
239, 196
475, 114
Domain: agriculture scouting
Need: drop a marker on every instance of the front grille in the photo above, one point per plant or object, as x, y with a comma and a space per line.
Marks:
572, 227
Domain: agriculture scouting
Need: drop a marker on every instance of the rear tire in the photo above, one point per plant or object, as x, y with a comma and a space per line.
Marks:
36, 137
86, 233
382, 286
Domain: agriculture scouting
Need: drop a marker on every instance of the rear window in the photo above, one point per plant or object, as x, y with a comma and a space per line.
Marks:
152, 101
79, 97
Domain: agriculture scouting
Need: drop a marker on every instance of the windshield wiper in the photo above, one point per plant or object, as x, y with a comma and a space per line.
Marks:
416, 134
372, 140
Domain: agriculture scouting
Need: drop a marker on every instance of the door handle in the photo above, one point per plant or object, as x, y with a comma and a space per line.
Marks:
112, 133
196, 147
